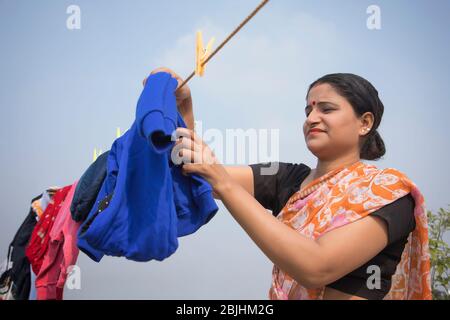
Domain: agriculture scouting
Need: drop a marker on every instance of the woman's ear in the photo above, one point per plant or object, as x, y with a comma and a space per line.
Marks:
366, 120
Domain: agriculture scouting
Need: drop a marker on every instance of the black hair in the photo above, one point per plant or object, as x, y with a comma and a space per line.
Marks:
363, 97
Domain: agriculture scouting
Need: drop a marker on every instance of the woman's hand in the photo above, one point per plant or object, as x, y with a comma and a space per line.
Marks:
198, 158
183, 97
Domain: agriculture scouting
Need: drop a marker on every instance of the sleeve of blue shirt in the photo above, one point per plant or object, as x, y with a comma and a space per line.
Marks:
154, 120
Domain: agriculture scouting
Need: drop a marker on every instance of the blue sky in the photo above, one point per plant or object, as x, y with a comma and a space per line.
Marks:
63, 93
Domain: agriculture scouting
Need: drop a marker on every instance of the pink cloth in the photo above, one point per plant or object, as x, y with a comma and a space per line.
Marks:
61, 254
40, 237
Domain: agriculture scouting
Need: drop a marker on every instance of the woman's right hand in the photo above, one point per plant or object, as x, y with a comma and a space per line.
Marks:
183, 97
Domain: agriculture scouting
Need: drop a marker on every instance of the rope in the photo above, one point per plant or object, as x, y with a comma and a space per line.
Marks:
239, 27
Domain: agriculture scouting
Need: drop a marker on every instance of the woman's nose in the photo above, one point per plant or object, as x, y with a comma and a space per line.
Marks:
313, 117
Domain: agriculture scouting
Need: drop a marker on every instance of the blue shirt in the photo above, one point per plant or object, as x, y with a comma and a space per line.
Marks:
150, 202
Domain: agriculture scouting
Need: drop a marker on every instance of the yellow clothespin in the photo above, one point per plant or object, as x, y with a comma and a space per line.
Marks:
118, 134
95, 155
201, 54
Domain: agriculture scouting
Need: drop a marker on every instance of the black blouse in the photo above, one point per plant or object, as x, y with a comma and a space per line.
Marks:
273, 192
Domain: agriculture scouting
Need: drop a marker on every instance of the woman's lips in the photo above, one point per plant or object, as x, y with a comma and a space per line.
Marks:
315, 131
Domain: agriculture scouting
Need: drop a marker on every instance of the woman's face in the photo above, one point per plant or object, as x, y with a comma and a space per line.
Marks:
341, 128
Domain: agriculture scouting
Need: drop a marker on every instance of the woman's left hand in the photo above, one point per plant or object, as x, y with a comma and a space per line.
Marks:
198, 158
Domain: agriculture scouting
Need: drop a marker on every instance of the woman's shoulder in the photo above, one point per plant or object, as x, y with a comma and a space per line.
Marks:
394, 186
293, 167
391, 179
395, 172
281, 169
376, 171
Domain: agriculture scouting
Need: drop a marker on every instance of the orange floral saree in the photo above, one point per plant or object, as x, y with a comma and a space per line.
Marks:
348, 194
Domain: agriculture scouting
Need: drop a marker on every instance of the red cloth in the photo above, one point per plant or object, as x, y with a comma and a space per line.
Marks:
40, 237
61, 254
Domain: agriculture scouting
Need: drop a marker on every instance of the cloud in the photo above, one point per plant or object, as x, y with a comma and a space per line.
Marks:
264, 70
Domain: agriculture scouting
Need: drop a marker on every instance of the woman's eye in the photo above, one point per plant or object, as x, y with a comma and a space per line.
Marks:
327, 110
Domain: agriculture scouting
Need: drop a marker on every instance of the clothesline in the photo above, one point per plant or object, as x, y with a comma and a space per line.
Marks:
130, 202
231, 35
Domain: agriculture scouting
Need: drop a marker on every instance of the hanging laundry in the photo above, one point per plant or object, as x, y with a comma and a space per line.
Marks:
145, 202
47, 197
62, 253
36, 205
88, 188
5, 280
15, 282
33, 293
40, 237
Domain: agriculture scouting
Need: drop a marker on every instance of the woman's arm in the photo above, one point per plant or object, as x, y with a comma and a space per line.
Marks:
312, 263
243, 176
186, 108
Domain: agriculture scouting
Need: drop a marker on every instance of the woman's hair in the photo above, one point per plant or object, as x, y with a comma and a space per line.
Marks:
363, 97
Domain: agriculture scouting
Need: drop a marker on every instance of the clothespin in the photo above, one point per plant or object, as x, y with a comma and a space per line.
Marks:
95, 155
118, 134
52, 190
201, 54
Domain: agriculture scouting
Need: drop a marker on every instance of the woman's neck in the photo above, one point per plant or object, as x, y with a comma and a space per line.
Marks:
325, 166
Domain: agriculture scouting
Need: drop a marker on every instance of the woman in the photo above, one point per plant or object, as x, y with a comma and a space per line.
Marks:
344, 230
